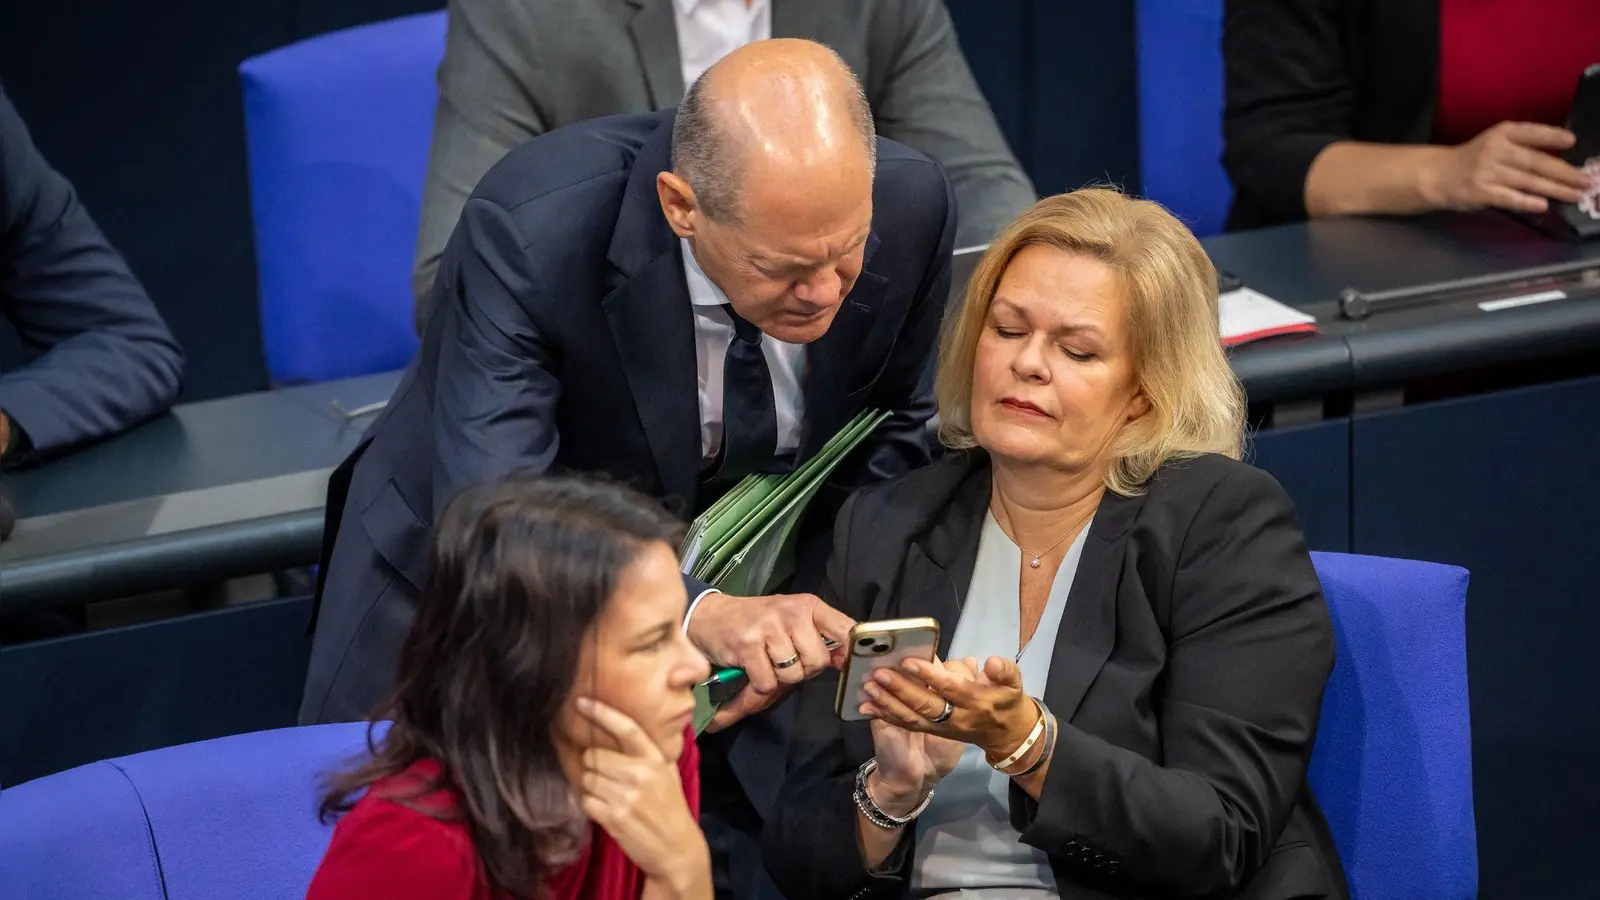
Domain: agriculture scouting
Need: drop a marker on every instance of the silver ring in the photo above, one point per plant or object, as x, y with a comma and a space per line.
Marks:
786, 663
943, 716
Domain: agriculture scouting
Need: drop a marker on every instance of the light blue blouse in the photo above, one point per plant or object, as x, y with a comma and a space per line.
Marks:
966, 846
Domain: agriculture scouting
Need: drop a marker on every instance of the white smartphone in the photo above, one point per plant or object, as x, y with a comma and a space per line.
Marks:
881, 645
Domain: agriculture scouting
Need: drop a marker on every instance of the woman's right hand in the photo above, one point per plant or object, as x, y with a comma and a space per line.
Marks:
635, 794
1511, 165
911, 764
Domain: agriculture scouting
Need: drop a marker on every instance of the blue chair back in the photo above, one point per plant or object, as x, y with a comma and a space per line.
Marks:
229, 818
1392, 768
338, 128
1179, 49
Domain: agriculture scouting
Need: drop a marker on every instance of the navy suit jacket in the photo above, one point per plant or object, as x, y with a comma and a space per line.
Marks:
563, 338
101, 358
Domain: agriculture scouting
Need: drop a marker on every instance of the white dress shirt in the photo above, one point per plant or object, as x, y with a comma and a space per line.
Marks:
708, 30
713, 331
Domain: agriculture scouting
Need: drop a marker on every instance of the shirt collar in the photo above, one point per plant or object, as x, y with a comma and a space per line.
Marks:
702, 290
687, 7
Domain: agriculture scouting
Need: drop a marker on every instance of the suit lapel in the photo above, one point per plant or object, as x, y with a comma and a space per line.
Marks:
938, 571
652, 323
836, 357
655, 37
939, 562
1089, 623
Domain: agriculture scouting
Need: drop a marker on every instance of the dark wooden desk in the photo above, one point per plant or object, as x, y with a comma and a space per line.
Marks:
214, 490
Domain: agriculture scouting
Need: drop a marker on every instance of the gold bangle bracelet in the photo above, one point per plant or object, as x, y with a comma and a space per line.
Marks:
1027, 743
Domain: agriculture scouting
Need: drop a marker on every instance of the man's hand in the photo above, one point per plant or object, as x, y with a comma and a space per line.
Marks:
777, 640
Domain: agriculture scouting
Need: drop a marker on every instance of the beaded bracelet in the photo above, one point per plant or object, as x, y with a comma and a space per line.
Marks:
870, 808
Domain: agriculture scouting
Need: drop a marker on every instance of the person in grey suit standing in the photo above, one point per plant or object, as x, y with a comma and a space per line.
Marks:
515, 69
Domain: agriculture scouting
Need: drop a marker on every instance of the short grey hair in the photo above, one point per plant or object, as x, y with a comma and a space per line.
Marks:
702, 155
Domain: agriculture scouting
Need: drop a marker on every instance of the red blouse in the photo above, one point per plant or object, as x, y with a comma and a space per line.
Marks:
382, 850
1511, 60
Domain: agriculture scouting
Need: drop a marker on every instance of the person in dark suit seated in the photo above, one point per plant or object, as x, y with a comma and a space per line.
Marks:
102, 359
1135, 643
675, 299
515, 69
540, 742
1343, 107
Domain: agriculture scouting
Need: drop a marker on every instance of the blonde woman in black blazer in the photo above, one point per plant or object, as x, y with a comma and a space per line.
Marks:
1096, 424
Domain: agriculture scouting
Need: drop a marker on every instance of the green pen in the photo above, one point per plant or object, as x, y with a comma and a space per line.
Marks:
733, 673
722, 676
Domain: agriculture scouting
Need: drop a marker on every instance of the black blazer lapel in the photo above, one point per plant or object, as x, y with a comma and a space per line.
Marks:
652, 323
654, 35
938, 565
1089, 623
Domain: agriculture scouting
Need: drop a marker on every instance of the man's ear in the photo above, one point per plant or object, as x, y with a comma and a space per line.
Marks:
677, 204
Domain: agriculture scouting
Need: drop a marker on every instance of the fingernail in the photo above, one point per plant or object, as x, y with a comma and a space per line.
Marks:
913, 665
883, 678
584, 704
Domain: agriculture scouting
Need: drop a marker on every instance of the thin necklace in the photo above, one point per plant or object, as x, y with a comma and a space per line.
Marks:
1010, 530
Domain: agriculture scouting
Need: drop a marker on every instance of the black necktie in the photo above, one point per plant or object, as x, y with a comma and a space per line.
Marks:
749, 419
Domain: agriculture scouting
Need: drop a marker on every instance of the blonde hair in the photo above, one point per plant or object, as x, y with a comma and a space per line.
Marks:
1196, 403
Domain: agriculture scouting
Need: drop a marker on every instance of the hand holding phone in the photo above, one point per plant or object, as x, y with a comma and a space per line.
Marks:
881, 645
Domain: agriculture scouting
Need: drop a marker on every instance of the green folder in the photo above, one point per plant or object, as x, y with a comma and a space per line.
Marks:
744, 544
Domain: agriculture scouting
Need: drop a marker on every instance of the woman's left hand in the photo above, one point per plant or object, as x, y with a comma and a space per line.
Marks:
635, 794
991, 711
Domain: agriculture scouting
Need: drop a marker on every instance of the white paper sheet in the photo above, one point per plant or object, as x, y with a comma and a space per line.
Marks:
1248, 315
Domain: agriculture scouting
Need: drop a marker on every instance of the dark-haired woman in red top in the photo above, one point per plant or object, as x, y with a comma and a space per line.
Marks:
1401, 106
541, 743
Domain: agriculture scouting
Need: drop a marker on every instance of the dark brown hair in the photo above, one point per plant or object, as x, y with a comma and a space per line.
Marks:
519, 572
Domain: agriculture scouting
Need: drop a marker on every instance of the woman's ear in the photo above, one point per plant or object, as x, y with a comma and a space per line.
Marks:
1138, 406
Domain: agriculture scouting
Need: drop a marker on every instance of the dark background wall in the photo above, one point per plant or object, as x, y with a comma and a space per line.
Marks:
137, 101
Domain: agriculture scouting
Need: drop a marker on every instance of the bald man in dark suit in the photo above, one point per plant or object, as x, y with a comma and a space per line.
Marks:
677, 300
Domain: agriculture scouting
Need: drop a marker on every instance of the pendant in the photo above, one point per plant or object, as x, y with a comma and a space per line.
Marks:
1035, 563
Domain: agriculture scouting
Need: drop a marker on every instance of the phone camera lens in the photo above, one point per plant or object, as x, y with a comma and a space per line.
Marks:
880, 648
865, 642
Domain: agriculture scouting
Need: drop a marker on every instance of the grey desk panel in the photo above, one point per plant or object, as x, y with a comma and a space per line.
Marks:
217, 489
101, 552
1310, 263
1307, 265
202, 445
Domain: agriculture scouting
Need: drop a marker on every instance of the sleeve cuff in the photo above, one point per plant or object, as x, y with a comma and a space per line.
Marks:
694, 604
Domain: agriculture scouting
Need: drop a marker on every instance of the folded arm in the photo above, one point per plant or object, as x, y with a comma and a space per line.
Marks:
102, 359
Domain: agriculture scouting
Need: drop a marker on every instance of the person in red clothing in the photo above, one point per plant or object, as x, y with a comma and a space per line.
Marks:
540, 744
1344, 107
